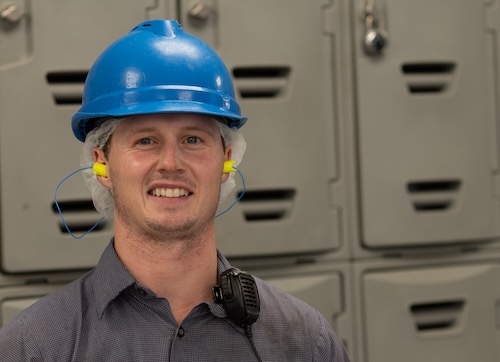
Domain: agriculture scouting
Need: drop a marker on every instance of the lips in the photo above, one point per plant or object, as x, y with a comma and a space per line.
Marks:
169, 192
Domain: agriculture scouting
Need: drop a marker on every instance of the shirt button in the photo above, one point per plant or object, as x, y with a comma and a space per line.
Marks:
180, 332
141, 291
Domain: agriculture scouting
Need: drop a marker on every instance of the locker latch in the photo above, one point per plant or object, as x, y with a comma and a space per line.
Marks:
11, 14
376, 37
200, 12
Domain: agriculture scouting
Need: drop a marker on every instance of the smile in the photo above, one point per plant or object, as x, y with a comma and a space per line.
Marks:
162, 192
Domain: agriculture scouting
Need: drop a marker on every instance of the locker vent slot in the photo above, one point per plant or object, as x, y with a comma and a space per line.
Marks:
66, 77
426, 88
80, 215
437, 195
428, 78
267, 205
428, 68
437, 316
67, 86
74, 206
261, 82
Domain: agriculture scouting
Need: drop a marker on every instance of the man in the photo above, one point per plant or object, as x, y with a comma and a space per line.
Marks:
160, 122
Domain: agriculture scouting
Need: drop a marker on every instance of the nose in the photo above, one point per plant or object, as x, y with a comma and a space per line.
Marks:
170, 158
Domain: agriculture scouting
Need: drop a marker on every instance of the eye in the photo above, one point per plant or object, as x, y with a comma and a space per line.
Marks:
193, 140
145, 141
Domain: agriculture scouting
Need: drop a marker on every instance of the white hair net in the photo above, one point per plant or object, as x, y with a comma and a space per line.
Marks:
97, 138
234, 139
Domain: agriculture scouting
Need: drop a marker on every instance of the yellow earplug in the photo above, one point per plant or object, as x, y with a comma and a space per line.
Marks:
228, 166
100, 169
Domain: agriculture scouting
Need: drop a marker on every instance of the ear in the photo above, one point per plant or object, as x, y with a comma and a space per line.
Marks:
100, 157
227, 157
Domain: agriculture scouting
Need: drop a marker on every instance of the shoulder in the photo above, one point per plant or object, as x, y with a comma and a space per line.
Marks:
300, 325
64, 302
51, 320
17, 343
275, 303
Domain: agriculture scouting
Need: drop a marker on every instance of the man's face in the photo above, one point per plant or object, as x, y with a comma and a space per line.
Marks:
165, 171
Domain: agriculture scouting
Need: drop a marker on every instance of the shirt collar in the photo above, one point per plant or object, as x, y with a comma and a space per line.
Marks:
222, 263
111, 278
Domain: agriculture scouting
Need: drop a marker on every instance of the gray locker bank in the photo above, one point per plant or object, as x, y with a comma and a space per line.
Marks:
372, 168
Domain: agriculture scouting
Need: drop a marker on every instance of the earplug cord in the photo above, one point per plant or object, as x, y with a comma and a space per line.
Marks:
60, 212
102, 218
239, 197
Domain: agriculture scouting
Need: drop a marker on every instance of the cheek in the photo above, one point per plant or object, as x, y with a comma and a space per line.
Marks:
211, 178
123, 172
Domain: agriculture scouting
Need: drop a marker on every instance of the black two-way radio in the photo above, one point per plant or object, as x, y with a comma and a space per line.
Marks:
237, 292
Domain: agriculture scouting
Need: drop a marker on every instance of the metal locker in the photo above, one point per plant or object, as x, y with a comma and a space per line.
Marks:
431, 313
283, 56
44, 58
427, 122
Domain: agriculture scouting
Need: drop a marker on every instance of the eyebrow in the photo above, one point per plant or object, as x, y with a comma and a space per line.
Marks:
147, 129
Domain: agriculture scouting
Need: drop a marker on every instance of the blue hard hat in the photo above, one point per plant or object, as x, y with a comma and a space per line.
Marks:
157, 68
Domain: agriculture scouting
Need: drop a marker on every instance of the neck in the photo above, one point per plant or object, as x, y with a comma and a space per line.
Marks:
182, 272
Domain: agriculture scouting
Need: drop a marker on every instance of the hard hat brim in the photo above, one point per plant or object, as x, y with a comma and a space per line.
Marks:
158, 100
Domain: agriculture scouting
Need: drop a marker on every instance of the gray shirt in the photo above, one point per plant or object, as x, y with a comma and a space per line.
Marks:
106, 315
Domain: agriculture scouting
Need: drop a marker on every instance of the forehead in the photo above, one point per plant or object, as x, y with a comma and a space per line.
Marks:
170, 122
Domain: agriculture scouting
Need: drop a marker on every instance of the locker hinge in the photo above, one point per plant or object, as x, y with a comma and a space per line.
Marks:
496, 185
329, 21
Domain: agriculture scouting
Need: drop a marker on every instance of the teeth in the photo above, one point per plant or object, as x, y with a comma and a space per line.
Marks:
161, 192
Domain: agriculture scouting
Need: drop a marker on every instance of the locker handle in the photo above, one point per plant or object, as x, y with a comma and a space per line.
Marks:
435, 316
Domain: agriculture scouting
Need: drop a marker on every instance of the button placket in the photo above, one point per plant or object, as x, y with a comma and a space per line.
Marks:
180, 332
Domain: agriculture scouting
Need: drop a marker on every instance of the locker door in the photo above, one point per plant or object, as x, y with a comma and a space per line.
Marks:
432, 314
282, 59
427, 124
43, 62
